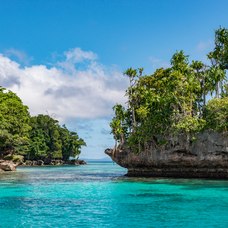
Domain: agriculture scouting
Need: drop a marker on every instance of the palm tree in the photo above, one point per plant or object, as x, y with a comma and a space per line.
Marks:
219, 59
132, 74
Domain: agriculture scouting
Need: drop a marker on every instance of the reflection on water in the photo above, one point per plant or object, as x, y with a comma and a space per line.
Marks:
99, 195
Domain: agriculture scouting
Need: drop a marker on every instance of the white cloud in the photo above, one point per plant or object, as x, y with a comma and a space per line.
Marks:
66, 90
77, 55
75, 59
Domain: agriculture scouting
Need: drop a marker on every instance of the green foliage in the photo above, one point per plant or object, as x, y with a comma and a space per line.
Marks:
71, 143
216, 114
173, 100
14, 124
219, 56
39, 137
120, 123
49, 140
219, 60
15, 158
190, 124
45, 140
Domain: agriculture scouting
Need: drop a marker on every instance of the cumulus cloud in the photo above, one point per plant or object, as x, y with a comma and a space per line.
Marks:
76, 55
66, 90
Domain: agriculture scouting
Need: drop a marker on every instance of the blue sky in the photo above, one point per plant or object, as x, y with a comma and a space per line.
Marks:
65, 58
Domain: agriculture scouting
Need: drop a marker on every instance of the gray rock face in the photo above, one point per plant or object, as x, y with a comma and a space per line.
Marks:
40, 162
7, 165
204, 157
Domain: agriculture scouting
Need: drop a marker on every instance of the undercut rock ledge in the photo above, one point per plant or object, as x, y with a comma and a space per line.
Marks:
204, 157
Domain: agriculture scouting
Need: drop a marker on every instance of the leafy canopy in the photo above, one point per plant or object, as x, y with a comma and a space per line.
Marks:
173, 100
38, 137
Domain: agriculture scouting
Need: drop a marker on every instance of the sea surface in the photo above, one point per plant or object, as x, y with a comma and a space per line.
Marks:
98, 195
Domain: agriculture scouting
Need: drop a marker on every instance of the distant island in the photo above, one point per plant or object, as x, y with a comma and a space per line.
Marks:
104, 159
176, 120
33, 140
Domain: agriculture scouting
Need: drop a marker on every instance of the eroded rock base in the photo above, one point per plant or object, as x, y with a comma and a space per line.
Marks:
206, 173
204, 157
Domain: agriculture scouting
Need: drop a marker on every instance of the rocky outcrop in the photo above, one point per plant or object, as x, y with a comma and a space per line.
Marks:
6, 165
76, 162
55, 162
204, 157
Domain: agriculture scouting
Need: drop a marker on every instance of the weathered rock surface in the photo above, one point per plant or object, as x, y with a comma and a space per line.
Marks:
55, 162
76, 162
205, 157
6, 165
40, 162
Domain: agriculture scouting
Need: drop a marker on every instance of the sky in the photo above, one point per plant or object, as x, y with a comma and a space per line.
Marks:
66, 58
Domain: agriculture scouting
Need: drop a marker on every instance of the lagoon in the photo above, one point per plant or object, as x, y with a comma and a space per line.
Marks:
99, 195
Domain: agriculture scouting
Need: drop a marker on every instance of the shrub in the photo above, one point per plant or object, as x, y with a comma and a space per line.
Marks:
216, 114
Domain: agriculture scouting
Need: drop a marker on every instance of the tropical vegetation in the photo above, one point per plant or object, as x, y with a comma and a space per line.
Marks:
27, 137
186, 98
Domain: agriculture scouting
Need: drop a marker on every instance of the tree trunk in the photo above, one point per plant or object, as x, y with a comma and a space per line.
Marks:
132, 106
217, 90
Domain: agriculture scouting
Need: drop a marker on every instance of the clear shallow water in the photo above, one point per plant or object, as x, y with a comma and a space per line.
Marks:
97, 195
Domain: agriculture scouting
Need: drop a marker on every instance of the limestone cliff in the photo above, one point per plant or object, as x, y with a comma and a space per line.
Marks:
204, 157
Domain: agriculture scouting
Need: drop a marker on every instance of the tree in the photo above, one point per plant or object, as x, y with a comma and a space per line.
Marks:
163, 103
219, 59
173, 100
133, 75
51, 141
38, 137
14, 124
71, 143
219, 56
199, 71
216, 114
120, 124
45, 138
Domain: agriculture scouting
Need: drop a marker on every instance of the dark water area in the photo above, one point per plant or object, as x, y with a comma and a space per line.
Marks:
99, 195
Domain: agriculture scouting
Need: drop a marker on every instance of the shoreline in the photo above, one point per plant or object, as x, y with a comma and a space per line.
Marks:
9, 166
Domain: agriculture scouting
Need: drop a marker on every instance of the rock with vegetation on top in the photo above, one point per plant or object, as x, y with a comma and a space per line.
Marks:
168, 127
204, 157
33, 140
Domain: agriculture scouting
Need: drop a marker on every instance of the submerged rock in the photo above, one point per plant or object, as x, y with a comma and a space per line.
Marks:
204, 157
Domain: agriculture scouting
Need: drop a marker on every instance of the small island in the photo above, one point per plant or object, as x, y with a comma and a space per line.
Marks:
33, 140
176, 120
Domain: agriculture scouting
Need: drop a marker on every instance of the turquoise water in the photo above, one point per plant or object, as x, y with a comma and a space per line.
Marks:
97, 195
